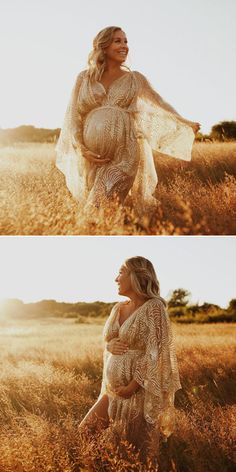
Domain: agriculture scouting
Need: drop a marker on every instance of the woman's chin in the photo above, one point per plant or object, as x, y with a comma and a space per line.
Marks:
120, 60
122, 293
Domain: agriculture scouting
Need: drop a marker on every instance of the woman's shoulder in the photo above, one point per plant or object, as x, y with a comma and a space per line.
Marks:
115, 307
79, 78
82, 74
155, 307
156, 301
136, 72
139, 76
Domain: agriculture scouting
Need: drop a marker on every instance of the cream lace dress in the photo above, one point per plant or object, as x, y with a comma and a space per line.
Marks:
151, 361
125, 124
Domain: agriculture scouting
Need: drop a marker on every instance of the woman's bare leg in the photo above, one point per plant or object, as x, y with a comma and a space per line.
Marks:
97, 417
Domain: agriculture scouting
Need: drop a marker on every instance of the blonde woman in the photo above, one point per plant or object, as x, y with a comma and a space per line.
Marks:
140, 373
113, 123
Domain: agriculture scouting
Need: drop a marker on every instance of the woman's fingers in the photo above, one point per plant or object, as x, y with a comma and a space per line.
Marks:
117, 347
93, 153
119, 350
99, 161
121, 347
96, 160
196, 127
94, 157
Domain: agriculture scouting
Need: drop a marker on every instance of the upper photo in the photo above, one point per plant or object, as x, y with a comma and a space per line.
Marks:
117, 121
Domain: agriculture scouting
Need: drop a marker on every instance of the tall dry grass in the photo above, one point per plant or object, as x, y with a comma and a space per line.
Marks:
50, 377
193, 198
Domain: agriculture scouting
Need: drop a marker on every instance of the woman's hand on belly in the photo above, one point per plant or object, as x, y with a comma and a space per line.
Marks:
117, 347
128, 390
93, 157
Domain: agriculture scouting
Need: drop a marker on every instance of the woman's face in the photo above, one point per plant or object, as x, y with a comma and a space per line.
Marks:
118, 49
123, 280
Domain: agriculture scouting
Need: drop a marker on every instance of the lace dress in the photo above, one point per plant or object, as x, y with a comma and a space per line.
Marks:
125, 124
151, 361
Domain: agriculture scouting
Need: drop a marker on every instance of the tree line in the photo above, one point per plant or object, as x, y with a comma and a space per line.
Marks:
181, 310
223, 132
28, 134
179, 307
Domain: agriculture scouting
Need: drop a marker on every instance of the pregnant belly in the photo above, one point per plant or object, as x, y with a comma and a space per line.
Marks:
105, 130
120, 369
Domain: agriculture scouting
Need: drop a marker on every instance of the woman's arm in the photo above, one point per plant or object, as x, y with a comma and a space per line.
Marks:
194, 125
148, 91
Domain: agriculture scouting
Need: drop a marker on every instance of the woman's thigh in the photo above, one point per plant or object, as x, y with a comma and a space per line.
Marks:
97, 417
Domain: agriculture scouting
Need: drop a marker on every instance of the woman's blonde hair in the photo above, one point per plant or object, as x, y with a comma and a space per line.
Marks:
143, 277
97, 58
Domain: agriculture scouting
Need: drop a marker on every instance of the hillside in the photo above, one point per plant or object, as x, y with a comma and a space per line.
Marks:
84, 312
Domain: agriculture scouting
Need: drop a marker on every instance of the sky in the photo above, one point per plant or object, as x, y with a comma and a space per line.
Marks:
185, 49
84, 268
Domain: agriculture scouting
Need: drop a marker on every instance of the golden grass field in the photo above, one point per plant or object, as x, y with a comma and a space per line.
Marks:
50, 376
194, 198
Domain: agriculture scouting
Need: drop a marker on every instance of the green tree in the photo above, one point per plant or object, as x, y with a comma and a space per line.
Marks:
224, 131
179, 297
232, 306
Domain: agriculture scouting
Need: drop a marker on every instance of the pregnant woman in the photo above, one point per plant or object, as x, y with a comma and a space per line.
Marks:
113, 123
140, 373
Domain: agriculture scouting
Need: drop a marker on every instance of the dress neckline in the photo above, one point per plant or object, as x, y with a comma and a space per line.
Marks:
115, 80
136, 309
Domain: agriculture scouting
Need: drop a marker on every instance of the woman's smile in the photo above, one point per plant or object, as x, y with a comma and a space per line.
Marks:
123, 281
123, 53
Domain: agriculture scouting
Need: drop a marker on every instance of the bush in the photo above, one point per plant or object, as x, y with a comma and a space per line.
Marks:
224, 131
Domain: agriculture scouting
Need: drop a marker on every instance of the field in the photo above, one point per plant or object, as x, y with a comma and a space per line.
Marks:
50, 377
194, 198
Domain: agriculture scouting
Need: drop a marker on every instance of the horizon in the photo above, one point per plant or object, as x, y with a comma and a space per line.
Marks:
98, 301
56, 128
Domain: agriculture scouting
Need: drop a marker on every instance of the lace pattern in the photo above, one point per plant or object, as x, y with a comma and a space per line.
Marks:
125, 124
151, 361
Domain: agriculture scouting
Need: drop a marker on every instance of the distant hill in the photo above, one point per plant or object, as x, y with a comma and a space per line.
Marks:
14, 308
223, 131
28, 133
181, 313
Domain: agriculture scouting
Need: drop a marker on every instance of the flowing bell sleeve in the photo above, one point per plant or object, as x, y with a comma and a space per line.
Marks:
110, 331
164, 129
69, 158
157, 370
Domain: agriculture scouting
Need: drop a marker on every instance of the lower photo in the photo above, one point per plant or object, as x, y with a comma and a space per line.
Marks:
118, 354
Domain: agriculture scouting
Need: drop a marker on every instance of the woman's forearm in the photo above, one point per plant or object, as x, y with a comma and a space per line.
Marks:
166, 106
